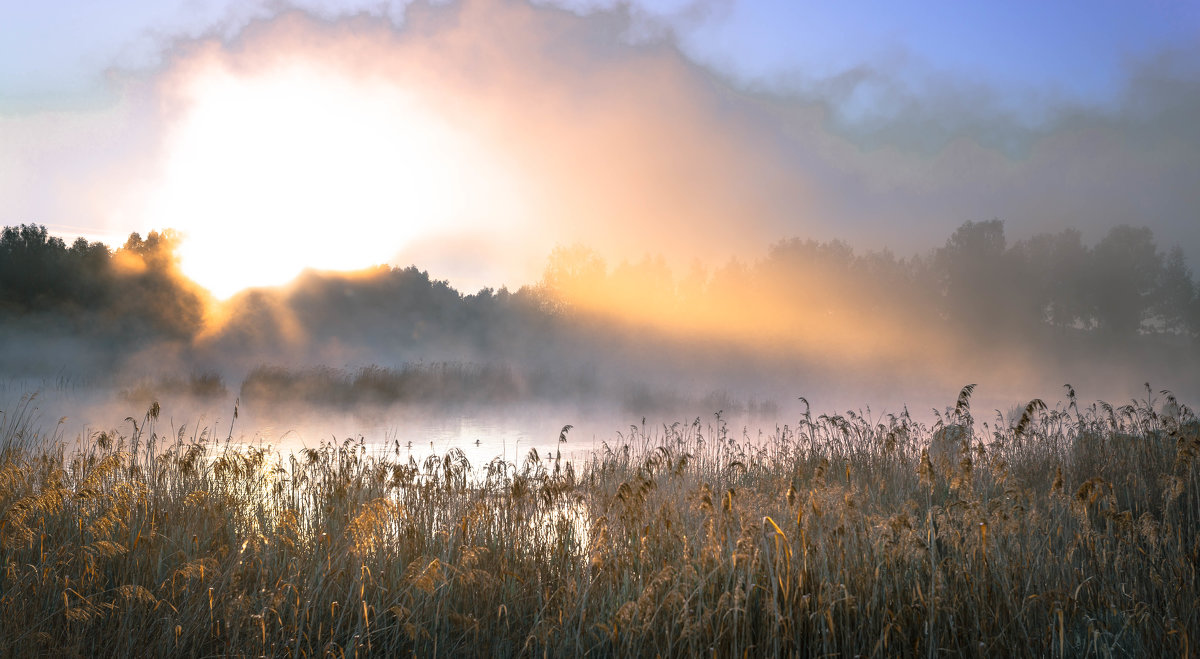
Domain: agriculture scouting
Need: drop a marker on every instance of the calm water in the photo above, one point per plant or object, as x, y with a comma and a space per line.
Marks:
74, 413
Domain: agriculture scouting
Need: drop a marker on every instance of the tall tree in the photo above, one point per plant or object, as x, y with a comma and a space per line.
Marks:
982, 286
1125, 271
1175, 295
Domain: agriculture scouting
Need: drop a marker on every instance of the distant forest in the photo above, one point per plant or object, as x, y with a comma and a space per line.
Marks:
136, 289
1048, 289
1120, 287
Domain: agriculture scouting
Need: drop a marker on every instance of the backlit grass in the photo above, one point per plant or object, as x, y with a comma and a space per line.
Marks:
1070, 531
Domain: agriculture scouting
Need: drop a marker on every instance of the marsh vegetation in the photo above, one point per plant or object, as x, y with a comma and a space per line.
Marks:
1064, 531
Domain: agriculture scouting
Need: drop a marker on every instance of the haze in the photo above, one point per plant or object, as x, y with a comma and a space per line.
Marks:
664, 204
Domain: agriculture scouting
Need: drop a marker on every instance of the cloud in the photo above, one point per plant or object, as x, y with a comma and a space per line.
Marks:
600, 130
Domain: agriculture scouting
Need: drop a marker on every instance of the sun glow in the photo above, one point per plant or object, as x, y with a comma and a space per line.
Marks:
267, 175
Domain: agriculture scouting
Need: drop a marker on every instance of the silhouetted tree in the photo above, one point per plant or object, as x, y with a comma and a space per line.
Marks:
983, 285
31, 264
152, 294
1175, 295
136, 290
1125, 270
39, 273
1056, 267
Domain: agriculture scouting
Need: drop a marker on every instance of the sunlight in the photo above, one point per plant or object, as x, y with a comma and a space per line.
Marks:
271, 174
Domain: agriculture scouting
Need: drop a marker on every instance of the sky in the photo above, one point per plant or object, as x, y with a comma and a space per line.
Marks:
470, 138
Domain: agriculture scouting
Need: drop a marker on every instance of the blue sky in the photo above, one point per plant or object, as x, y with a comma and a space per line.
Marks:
1080, 51
886, 124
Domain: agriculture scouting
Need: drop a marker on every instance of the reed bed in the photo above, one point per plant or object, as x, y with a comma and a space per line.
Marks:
1072, 531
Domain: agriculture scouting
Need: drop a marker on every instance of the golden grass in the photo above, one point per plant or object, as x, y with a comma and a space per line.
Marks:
1067, 533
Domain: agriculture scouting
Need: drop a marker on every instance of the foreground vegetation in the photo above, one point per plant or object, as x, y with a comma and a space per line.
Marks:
1068, 531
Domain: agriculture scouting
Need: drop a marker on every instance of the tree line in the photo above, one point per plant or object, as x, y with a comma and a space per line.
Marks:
1052, 284
135, 290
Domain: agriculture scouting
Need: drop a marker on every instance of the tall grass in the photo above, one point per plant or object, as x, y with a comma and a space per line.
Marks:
1072, 531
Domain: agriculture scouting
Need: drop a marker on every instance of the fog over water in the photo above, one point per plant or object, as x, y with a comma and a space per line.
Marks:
585, 221
74, 413
393, 355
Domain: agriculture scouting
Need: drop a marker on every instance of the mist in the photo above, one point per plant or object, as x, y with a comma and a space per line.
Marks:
599, 346
573, 210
